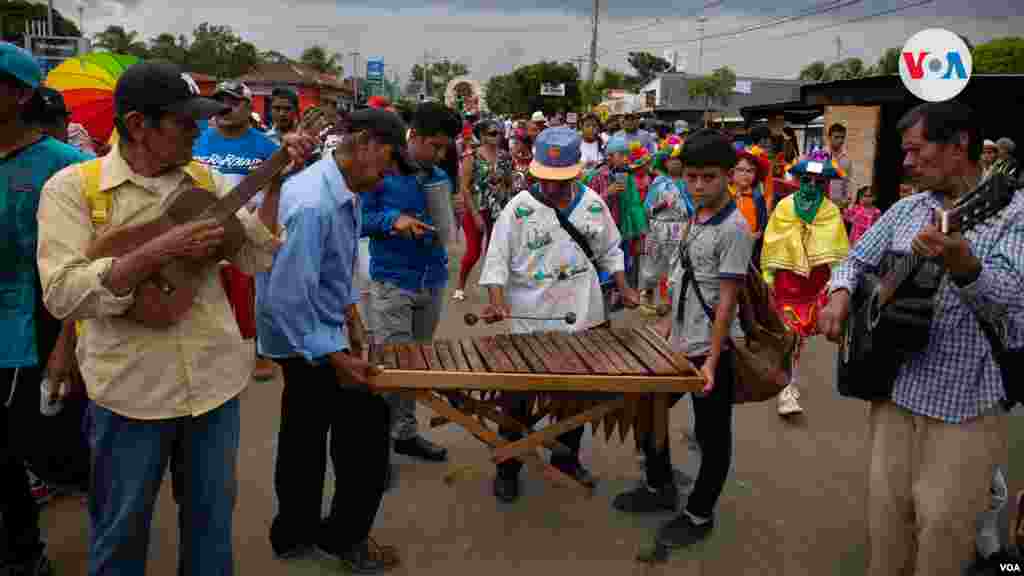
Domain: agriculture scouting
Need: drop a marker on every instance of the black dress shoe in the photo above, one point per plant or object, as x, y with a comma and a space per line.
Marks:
420, 447
506, 488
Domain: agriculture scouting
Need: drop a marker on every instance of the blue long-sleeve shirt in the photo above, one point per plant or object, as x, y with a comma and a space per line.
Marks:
955, 378
410, 264
301, 301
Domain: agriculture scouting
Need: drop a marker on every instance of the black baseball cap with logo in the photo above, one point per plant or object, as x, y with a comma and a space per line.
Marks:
386, 128
154, 86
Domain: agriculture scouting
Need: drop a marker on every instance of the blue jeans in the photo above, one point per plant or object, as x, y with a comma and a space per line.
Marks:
129, 458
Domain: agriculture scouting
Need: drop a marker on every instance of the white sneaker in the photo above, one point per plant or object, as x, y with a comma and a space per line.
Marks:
788, 403
458, 295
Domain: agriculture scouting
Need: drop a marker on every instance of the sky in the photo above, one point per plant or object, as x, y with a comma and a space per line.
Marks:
758, 38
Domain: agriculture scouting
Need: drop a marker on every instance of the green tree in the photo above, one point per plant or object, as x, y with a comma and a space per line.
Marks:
888, 63
847, 69
275, 57
167, 47
117, 39
439, 74
519, 92
715, 88
317, 58
15, 13
216, 50
815, 71
592, 94
647, 66
499, 94
1000, 56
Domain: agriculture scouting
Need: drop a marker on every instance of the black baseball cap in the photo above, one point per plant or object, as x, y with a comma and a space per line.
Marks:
53, 103
157, 86
387, 128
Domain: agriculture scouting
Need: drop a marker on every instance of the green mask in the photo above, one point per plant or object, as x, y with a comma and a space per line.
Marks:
808, 199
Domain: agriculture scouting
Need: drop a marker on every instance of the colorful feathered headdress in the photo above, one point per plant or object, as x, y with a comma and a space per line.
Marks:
819, 164
639, 156
671, 147
759, 157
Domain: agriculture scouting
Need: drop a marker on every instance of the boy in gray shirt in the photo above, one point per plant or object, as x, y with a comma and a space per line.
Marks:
714, 260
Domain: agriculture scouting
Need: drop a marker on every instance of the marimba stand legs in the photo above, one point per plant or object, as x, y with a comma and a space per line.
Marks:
525, 451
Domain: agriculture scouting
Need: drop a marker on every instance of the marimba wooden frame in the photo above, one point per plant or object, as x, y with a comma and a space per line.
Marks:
607, 396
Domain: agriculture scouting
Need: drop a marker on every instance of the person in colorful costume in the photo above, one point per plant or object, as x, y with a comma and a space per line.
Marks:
804, 240
628, 208
752, 171
669, 208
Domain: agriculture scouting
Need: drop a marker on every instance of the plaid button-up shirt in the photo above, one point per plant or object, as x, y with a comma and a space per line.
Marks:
955, 378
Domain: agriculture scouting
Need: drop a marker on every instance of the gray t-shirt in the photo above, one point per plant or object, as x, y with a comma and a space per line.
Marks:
720, 247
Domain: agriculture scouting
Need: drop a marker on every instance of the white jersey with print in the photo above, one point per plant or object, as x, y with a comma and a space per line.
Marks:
543, 271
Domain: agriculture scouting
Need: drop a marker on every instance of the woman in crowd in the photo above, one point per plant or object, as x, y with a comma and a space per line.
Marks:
485, 183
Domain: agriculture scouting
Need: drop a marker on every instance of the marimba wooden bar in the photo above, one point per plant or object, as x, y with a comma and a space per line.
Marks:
616, 377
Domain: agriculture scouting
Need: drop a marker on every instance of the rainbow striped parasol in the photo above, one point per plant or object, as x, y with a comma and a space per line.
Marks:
87, 83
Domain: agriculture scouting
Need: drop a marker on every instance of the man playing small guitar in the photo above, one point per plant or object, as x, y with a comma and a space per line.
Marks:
936, 439
166, 393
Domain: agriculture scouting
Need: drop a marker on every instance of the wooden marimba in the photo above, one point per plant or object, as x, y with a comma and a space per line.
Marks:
612, 377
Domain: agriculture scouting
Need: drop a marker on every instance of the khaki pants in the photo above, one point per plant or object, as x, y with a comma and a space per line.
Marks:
928, 481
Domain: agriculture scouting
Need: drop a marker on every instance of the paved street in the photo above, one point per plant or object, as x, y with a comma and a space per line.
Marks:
792, 506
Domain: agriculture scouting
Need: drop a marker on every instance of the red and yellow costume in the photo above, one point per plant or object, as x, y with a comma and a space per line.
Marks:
805, 237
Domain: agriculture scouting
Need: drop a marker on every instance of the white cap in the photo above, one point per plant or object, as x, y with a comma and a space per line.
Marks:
681, 126
988, 144
538, 116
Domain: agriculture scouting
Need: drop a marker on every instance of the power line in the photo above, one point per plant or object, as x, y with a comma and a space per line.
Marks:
830, 6
855, 20
659, 21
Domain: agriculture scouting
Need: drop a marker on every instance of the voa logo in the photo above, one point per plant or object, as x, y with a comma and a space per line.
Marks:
1010, 567
935, 65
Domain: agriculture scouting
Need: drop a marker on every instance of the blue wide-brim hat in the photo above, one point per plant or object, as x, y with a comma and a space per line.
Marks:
557, 155
820, 164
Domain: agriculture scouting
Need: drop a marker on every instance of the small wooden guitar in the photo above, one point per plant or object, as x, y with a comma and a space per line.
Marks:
870, 353
164, 300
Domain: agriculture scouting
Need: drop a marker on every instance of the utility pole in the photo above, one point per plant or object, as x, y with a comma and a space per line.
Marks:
81, 18
839, 48
49, 18
355, 78
700, 44
593, 43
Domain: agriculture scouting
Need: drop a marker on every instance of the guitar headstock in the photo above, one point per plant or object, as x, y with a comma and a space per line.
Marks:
982, 203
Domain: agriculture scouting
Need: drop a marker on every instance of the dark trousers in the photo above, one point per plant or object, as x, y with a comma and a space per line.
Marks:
518, 407
713, 427
19, 514
314, 405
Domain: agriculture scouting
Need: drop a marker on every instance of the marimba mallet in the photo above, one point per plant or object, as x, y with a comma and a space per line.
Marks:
569, 318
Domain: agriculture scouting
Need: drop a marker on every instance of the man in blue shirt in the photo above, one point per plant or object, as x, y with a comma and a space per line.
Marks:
408, 219
30, 334
232, 147
309, 324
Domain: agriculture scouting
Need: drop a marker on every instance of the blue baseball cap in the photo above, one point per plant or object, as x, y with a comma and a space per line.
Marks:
556, 154
17, 62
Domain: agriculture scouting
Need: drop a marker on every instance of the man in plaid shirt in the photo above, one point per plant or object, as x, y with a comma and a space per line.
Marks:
937, 441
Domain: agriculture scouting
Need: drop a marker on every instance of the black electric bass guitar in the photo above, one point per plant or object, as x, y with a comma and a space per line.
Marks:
890, 321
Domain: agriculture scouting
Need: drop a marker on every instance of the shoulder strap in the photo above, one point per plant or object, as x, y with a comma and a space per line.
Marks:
690, 279
97, 200
574, 233
201, 174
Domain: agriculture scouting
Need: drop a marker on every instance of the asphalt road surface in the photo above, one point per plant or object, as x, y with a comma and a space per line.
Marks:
793, 505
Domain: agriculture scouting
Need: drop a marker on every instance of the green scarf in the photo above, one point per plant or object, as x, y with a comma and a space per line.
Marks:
808, 199
632, 216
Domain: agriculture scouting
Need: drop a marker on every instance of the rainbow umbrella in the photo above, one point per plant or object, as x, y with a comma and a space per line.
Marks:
87, 83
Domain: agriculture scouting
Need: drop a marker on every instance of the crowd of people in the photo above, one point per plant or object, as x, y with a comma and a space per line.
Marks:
346, 250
